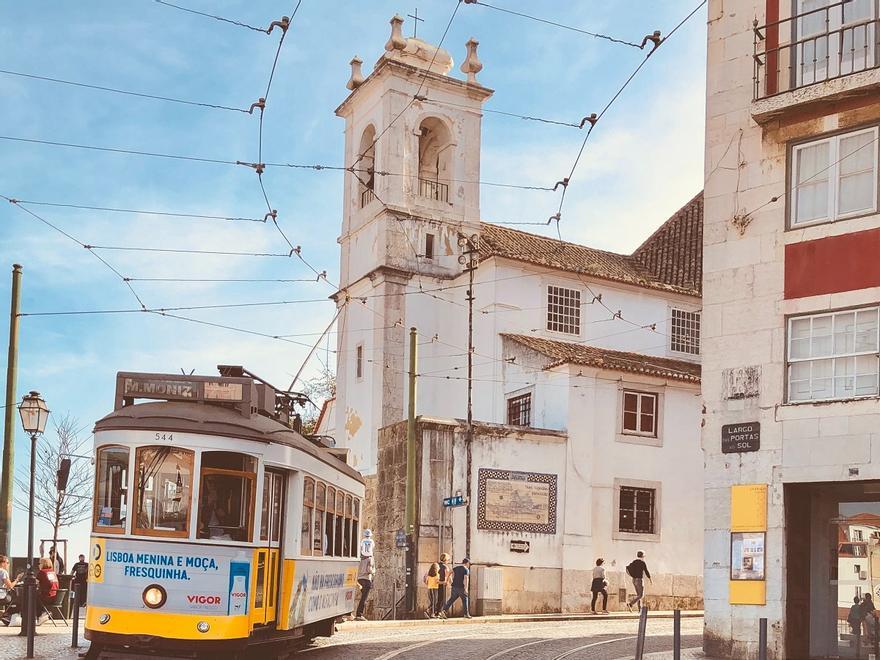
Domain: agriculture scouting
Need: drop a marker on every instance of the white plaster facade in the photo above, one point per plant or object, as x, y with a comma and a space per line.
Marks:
392, 281
745, 311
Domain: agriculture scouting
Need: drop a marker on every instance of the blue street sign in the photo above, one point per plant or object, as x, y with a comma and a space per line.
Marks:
456, 500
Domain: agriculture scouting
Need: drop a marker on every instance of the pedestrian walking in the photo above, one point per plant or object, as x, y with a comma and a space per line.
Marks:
638, 571
445, 575
854, 618
599, 586
432, 581
366, 571
460, 583
80, 572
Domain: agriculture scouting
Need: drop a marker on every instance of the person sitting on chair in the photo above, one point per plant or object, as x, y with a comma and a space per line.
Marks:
47, 581
7, 592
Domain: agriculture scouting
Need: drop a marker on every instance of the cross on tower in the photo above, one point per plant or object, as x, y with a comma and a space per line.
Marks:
416, 20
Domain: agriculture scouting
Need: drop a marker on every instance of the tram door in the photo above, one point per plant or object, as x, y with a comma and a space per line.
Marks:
266, 579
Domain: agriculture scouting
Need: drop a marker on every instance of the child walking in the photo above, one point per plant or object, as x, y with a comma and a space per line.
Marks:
432, 581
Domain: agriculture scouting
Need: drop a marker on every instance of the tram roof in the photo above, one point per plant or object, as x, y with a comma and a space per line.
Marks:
208, 419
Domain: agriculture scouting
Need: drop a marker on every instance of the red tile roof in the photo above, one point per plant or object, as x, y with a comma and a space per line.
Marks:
674, 253
566, 352
670, 260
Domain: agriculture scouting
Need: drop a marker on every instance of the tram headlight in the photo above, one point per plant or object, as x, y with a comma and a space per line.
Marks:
154, 596
203, 627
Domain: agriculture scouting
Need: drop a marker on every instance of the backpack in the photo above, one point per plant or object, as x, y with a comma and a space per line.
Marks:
630, 569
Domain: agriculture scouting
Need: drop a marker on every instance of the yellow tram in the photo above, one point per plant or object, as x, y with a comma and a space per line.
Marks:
217, 526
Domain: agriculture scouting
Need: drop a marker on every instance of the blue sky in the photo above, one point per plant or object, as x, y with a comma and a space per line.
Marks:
644, 160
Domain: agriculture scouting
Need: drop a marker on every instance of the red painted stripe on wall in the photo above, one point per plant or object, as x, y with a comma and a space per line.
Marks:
834, 264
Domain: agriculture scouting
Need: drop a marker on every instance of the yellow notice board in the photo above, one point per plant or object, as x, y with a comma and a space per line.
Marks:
748, 508
748, 513
751, 592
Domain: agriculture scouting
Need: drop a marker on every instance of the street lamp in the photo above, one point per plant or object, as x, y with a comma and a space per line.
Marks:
34, 415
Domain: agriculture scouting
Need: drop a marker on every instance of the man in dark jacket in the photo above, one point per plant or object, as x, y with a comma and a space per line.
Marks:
638, 570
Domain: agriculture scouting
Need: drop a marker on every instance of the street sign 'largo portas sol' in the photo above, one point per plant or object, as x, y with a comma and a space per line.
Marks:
455, 500
737, 438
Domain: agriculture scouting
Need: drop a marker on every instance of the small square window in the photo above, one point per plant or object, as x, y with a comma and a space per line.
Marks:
564, 310
640, 413
684, 336
519, 410
636, 513
429, 246
359, 361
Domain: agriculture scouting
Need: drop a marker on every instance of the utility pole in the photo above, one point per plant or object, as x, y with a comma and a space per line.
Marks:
468, 259
9, 419
411, 476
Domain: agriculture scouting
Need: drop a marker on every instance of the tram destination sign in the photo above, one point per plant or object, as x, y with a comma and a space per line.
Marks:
738, 438
160, 388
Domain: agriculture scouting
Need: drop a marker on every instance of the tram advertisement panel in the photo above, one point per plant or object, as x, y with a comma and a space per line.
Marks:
321, 590
194, 579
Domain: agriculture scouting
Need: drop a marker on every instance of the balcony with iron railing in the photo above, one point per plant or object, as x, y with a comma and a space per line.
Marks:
433, 190
820, 54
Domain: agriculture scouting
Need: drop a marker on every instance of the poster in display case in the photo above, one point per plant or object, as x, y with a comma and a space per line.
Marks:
747, 555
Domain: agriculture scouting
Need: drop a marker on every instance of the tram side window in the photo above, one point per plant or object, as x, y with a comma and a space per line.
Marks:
111, 488
226, 496
354, 526
305, 544
270, 518
346, 546
340, 523
320, 497
329, 521
163, 490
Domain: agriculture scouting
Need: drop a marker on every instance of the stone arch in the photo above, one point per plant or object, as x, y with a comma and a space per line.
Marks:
367, 167
435, 158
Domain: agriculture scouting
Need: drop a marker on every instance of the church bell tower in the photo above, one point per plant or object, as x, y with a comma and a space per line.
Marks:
412, 149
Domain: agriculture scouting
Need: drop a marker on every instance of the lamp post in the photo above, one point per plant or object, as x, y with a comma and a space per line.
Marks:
34, 414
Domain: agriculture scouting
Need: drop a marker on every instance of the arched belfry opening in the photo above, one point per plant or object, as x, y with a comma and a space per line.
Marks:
435, 159
366, 173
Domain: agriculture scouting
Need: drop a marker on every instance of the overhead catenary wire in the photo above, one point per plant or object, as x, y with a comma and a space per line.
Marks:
219, 161
170, 214
657, 41
213, 16
155, 97
43, 220
184, 308
504, 113
564, 26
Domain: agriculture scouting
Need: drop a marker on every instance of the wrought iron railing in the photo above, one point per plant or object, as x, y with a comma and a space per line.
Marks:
367, 196
434, 190
816, 46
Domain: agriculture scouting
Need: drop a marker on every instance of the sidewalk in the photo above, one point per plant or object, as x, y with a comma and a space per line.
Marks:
686, 654
50, 643
516, 618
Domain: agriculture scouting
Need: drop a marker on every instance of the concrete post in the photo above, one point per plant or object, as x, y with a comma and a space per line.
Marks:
6, 470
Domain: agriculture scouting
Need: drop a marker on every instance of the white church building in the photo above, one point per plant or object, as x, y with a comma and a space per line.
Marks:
586, 375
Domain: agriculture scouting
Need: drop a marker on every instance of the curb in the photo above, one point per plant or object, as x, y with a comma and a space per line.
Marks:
514, 618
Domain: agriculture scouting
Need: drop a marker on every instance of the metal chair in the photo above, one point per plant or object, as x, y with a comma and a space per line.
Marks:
55, 607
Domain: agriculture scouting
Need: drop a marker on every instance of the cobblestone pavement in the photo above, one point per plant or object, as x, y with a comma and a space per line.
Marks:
438, 640
51, 643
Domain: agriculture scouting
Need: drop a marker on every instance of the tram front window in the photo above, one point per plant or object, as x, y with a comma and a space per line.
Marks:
111, 489
226, 498
164, 489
